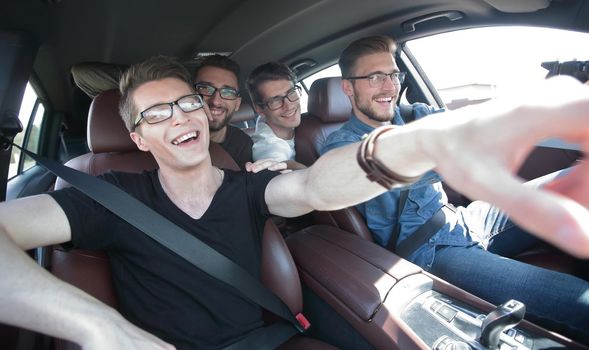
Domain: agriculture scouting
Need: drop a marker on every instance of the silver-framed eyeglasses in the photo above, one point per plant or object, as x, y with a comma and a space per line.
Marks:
226, 92
277, 102
164, 111
377, 79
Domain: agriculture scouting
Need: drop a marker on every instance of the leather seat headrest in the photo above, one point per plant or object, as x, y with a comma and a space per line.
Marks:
328, 102
244, 113
106, 129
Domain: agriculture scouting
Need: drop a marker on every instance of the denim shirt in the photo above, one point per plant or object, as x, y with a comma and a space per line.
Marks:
425, 198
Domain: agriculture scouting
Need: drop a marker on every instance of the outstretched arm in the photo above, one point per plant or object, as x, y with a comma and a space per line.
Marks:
32, 298
477, 151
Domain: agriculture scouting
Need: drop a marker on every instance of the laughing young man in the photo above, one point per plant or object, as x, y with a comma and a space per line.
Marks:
162, 296
450, 249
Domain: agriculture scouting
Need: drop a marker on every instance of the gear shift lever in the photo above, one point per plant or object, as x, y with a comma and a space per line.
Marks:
505, 316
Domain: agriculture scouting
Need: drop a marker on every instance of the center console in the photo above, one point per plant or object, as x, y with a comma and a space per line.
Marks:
394, 304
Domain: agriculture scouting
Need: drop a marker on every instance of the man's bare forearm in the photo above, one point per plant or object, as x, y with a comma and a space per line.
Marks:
34, 299
336, 180
347, 183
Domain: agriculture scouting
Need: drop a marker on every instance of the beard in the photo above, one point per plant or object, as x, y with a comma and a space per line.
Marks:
218, 125
368, 109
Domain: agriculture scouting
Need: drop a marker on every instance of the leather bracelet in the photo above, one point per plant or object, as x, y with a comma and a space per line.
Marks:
375, 170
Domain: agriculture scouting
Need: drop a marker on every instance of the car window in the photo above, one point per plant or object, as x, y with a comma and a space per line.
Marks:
31, 116
473, 65
332, 71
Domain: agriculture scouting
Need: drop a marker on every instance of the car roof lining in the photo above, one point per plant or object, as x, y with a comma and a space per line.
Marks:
124, 32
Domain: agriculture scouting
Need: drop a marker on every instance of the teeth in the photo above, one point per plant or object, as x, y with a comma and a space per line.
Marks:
184, 137
217, 111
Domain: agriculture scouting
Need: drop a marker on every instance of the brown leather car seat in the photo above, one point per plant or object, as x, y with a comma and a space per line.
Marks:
328, 109
245, 117
112, 149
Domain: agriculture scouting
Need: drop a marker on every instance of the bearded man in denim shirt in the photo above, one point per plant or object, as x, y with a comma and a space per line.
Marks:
457, 249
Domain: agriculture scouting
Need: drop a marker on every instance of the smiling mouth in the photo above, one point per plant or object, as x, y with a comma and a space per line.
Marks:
294, 111
384, 99
217, 111
191, 136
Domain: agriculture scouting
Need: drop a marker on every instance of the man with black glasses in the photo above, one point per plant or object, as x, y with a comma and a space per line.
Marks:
465, 246
276, 97
217, 81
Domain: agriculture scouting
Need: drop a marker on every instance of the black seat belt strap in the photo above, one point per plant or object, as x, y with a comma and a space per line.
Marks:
171, 236
424, 233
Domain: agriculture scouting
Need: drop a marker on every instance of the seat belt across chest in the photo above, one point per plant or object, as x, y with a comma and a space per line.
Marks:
186, 246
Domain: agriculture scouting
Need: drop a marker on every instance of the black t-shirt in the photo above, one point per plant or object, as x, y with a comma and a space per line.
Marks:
158, 290
239, 145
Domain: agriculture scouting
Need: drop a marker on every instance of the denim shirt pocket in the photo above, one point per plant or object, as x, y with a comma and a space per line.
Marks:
427, 200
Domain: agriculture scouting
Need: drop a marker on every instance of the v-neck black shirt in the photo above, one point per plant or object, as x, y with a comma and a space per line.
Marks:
158, 290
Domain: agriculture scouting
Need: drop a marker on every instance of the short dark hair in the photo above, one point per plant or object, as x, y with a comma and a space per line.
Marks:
154, 68
219, 61
363, 47
268, 72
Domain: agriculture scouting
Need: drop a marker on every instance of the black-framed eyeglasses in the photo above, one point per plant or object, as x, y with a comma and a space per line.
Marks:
226, 93
277, 102
164, 111
377, 79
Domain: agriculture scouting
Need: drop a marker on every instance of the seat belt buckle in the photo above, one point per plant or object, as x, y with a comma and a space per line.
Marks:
304, 324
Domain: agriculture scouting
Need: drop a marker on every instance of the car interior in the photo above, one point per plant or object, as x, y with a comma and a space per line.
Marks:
324, 264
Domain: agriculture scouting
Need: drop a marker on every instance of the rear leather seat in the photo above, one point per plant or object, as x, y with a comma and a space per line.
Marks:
328, 109
112, 149
245, 117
